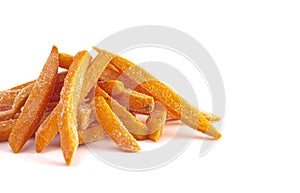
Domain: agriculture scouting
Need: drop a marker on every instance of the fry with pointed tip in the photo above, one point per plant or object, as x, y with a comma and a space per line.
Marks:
29, 119
70, 98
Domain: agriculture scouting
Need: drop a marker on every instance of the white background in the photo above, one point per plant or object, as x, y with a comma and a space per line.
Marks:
256, 46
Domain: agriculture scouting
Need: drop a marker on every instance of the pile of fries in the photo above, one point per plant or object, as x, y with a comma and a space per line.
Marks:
90, 99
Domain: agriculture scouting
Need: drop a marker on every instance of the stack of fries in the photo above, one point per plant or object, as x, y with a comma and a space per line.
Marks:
92, 98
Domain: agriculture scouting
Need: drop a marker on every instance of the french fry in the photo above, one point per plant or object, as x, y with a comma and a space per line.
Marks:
134, 125
65, 60
58, 86
113, 126
156, 121
47, 130
70, 98
7, 98
135, 102
110, 73
177, 106
5, 128
18, 103
112, 87
94, 71
28, 120
94, 132
21, 86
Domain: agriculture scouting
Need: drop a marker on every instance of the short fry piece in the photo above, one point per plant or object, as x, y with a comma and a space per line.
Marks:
156, 121
65, 60
5, 128
133, 125
114, 127
177, 106
135, 101
33, 110
112, 87
18, 103
94, 132
70, 97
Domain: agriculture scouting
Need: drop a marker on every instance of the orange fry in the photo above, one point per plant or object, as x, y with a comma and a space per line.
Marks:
156, 121
47, 130
65, 60
178, 107
112, 87
134, 125
29, 119
7, 98
18, 103
135, 102
114, 127
70, 98
93, 133
5, 128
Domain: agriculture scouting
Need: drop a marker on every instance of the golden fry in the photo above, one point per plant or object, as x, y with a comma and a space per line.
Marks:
29, 119
70, 98
113, 126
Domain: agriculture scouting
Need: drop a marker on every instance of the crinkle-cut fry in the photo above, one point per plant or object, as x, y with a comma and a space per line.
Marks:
114, 127
29, 118
48, 129
156, 121
112, 87
142, 81
18, 103
94, 132
5, 128
65, 60
135, 101
133, 125
70, 97
94, 71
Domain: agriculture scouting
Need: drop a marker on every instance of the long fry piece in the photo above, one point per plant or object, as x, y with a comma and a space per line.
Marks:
29, 119
70, 98
114, 127
176, 105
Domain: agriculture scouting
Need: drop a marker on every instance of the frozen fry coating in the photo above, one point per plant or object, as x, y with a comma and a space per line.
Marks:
29, 119
114, 127
70, 98
91, 98
156, 121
